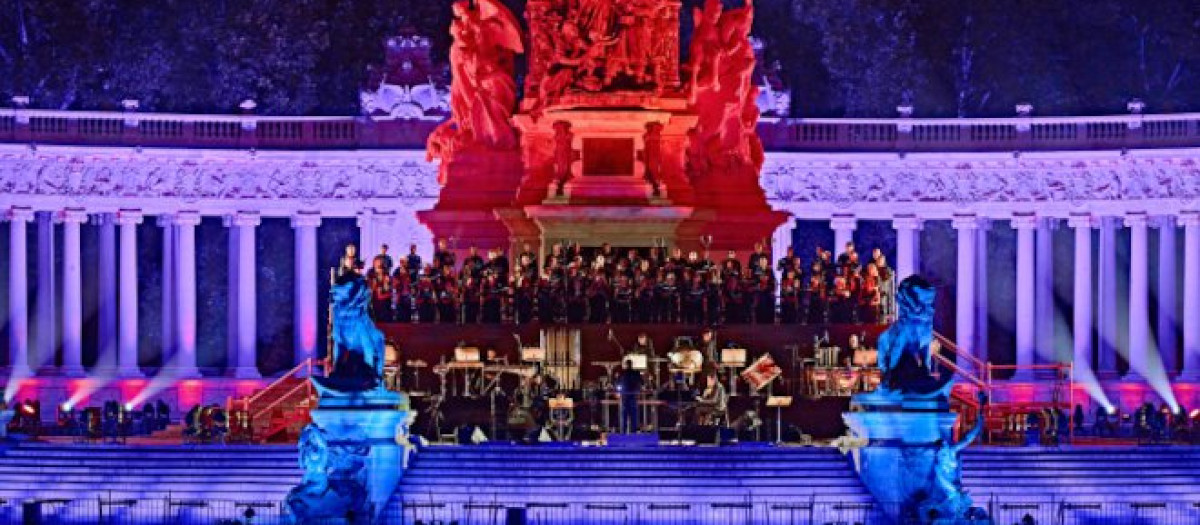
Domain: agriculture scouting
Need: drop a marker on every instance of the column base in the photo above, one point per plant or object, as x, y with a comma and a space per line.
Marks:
19, 371
130, 373
246, 372
1132, 377
1189, 376
183, 373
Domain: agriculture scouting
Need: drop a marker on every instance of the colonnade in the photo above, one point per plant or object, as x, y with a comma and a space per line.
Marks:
1095, 296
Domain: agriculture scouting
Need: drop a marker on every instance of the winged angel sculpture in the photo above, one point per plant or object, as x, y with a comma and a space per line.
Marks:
483, 92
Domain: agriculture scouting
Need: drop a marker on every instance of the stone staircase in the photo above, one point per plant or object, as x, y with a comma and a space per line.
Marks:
1138, 485
235, 472
570, 484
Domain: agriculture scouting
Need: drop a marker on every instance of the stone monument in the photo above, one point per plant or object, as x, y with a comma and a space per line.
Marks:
615, 141
909, 460
355, 450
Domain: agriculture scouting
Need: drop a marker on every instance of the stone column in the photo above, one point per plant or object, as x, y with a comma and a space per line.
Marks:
72, 294
367, 237
843, 232
1026, 335
907, 245
1168, 313
964, 316
306, 225
18, 293
1043, 301
1191, 295
1106, 304
170, 319
981, 290
127, 337
1082, 322
247, 297
1139, 297
185, 351
231, 297
46, 296
781, 240
106, 288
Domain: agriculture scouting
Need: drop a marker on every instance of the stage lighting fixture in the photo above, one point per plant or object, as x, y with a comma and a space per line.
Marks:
128, 407
27, 408
67, 407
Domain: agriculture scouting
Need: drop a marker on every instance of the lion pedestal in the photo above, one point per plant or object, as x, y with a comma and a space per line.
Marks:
355, 450
902, 433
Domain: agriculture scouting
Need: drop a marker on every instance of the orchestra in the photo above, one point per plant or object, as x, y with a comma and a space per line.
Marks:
684, 386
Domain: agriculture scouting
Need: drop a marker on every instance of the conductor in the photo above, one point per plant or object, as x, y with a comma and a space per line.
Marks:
630, 387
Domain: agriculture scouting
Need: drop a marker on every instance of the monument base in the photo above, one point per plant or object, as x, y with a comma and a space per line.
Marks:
906, 458
353, 455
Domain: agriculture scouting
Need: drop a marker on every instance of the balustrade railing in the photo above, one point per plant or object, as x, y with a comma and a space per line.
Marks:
115, 128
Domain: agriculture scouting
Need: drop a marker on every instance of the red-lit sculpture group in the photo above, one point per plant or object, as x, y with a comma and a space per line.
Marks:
614, 141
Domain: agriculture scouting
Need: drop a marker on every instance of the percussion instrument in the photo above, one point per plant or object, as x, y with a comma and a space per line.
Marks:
689, 360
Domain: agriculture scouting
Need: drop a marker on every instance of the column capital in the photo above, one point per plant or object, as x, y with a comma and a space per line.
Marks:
1026, 221
1163, 222
373, 215
72, 216
1189, 218
843, 222
1137, 220
306, 219
19, 214
129, 217
187, 218
907, 222
965, 222
245, 218
1081, 220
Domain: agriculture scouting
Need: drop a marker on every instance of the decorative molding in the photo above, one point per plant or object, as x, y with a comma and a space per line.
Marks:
221, 181
810, 185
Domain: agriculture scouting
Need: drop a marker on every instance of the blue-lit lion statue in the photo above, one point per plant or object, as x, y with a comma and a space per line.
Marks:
358, 353
905, 357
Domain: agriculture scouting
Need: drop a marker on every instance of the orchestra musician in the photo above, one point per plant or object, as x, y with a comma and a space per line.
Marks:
630, 388
712, 402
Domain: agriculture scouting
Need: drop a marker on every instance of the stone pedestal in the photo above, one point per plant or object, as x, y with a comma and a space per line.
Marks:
903, 452
353, 455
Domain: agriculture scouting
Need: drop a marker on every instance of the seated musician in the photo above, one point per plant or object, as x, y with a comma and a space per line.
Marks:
630, 387
712, 402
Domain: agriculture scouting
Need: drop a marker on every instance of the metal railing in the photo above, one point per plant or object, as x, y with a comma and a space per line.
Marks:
116, 128
1003, 511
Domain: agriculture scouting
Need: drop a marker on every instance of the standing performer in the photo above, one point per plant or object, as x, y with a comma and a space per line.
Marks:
630, 387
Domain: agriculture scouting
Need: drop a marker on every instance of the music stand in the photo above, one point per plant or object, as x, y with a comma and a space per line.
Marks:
731, 360
637, 361
779, 402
